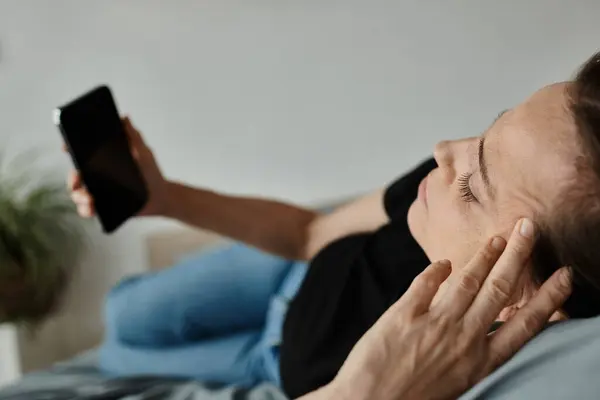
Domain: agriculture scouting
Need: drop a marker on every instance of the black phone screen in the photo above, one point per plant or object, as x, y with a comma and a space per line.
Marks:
99, 147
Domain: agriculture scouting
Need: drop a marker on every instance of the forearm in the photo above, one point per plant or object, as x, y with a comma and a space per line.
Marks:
272, 226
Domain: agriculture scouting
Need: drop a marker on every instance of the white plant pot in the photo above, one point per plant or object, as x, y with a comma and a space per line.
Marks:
10, 366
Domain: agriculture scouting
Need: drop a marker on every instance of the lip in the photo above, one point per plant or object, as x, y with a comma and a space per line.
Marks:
423, 190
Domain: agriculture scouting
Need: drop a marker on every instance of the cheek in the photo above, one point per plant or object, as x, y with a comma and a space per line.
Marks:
448, 228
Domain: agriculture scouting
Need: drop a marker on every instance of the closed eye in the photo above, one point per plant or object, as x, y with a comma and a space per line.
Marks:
464, 189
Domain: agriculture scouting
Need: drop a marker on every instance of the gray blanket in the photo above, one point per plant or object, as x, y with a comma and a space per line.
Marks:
80, 380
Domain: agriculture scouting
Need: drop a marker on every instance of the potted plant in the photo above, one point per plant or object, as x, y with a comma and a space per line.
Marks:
40, 241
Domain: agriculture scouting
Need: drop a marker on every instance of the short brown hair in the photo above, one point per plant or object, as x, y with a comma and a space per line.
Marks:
570, 236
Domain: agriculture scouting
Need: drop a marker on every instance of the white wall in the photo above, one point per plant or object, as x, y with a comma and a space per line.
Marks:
302, 100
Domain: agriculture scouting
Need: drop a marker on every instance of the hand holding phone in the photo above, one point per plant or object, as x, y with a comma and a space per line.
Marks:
149, 168
116, 175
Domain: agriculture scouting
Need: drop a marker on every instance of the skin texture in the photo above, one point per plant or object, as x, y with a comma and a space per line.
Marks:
528, 151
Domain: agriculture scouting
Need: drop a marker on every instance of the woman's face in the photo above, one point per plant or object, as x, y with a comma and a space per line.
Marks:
484, 184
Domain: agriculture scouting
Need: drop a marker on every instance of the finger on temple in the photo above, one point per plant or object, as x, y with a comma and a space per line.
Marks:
465, 286
417, 299
503, 279
531, 319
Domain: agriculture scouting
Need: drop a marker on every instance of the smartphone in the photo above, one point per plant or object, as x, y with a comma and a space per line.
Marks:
97, 142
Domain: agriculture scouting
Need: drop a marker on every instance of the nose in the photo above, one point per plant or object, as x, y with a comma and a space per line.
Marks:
442, 154
453, 155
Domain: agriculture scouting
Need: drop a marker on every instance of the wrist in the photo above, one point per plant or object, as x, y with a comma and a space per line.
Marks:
168, 207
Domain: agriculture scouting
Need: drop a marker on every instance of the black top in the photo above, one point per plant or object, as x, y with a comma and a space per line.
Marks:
349, 285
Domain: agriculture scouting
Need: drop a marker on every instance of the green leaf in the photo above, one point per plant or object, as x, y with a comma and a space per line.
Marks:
41, 239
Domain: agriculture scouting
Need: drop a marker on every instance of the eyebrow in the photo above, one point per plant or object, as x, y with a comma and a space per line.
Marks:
482, 164
483, 168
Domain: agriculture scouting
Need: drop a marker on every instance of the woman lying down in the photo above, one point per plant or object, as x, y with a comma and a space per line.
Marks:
208, 319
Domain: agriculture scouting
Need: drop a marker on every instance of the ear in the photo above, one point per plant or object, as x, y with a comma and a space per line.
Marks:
507, 313
529, 290
523, 293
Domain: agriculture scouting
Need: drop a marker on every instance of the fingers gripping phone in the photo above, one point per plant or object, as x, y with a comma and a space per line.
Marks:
99, 148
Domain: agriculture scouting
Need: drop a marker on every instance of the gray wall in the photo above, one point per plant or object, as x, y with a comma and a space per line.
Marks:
302, 100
